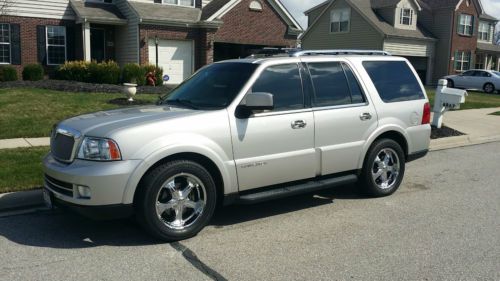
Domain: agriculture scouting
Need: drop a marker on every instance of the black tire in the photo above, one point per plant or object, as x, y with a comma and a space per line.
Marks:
373, 186
149, 194
489, 88
451, 84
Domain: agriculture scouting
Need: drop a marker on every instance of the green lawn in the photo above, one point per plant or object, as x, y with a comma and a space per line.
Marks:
32, 112
496, 113
473, 100
21, 168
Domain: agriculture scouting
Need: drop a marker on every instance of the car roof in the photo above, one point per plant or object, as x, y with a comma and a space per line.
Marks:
315, 57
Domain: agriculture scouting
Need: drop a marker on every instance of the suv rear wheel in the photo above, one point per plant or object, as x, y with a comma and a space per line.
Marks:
177, 200
384, 168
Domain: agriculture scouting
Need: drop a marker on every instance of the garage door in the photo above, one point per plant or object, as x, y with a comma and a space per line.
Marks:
175, 57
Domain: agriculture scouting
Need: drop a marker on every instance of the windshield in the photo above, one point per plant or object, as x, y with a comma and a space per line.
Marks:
496, 73
213, 87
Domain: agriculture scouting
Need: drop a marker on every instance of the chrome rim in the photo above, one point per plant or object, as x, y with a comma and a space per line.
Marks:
385, 169
180, 201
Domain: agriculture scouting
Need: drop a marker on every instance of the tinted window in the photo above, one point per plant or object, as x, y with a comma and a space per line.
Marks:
394, 80
214, 86
330, 84
468, 73
283, 81
356, 92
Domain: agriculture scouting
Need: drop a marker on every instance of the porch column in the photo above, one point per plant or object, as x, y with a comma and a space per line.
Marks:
486, 66
86, 41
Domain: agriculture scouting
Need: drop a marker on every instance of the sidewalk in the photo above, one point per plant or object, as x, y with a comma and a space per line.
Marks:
24, 142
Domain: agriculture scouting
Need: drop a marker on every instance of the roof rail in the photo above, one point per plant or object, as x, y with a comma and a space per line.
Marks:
340, 52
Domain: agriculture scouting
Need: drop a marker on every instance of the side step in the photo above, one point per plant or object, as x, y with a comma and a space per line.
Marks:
290, 190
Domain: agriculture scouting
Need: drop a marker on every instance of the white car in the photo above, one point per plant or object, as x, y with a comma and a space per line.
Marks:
476, 79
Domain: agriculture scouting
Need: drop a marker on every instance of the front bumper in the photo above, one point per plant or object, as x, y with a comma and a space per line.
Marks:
107, 181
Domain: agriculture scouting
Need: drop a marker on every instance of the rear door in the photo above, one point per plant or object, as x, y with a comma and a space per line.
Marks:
344, 117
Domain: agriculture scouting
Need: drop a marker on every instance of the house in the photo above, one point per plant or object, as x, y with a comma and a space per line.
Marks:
183, 34
439, 37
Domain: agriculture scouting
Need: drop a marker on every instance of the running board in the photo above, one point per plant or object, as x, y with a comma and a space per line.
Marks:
290, 190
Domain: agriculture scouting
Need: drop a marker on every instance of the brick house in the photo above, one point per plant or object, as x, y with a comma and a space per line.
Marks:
439, 37
186, 34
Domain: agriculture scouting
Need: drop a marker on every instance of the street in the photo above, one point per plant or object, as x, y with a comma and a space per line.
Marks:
442, 224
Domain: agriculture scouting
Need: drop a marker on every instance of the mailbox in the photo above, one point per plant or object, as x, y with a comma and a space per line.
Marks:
446, 99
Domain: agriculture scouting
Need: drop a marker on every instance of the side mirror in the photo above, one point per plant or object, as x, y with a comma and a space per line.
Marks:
253, 102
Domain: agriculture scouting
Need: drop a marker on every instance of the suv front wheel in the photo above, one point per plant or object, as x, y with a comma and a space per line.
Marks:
176, 200
384, 168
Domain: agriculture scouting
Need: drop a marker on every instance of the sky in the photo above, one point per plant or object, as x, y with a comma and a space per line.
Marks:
297, 8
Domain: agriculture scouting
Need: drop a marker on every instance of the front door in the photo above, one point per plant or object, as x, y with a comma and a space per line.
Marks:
277, 146
97, 44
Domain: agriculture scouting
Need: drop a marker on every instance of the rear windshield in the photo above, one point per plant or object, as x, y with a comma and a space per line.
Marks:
394, 80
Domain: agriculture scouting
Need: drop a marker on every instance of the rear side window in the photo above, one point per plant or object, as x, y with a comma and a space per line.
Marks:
334, 84
283, 81
394, 80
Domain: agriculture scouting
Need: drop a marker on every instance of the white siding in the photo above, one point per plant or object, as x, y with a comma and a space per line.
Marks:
127, 37
53, 9
414, 48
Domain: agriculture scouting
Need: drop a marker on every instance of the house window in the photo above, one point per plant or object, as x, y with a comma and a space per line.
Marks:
465, 24
406, 17
189, 3
340, 20
484, 31
56, 45
4, 43
462, 60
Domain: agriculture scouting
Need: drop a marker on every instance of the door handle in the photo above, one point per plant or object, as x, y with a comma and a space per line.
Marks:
365, 116
299, 124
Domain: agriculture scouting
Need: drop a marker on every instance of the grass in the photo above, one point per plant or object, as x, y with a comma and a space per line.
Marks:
21, 168
496, 113
32, 112
473, 101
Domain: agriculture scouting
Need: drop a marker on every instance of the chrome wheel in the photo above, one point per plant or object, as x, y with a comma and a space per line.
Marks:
385, 168
180, 201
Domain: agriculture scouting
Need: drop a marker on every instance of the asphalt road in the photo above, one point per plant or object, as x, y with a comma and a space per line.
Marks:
443, 224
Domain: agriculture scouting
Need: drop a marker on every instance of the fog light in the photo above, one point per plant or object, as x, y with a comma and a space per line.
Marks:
83, 192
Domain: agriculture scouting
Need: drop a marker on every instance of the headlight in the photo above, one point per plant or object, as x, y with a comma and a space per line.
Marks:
99, 149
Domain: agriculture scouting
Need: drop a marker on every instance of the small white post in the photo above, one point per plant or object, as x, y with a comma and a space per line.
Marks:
439, 109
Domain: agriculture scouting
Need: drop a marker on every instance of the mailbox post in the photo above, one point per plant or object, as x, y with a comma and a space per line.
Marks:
446, 99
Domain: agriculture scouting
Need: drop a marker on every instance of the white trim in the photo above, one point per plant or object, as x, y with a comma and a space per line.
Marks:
290, 17
47, 43
222, 11
178, 3
10, 45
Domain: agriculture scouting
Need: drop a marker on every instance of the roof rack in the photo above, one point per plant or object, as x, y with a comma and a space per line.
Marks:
272, 51
340, 52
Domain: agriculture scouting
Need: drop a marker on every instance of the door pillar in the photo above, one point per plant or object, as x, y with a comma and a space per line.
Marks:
86, 41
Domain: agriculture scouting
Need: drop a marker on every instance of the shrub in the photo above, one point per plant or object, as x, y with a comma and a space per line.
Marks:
33, 72
7, 73
159, 73
74, 71
134, 73
105, 72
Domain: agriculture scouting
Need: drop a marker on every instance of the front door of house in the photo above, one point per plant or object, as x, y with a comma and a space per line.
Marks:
97, 44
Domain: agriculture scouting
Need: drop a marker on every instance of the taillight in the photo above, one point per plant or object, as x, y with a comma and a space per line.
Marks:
426, 116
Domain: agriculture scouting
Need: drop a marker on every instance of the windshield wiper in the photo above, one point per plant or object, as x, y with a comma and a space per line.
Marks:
182, 102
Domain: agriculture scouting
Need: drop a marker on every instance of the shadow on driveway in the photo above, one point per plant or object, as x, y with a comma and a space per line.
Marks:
59, 229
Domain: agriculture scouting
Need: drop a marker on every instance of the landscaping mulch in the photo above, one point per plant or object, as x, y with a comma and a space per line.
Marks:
78, 87
124, 101
444, 132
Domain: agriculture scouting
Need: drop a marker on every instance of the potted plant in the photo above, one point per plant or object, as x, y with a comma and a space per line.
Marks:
130, 89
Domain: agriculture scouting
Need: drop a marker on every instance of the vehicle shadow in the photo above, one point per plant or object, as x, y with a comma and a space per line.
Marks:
64, 230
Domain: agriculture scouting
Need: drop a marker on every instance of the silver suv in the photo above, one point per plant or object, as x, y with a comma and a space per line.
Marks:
243, 131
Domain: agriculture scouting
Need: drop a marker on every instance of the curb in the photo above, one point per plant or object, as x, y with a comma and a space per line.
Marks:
460, 141
21, 200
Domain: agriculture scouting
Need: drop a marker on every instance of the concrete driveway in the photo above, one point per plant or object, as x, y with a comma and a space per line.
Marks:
443, 224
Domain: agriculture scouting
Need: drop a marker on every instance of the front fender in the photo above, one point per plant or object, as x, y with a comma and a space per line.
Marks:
164, 147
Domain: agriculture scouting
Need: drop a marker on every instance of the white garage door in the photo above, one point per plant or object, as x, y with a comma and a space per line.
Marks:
175, 57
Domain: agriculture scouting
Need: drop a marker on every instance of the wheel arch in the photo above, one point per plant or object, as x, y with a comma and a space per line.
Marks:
395, 133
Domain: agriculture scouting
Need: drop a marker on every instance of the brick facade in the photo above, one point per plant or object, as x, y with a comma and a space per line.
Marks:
245, 26
463, 42
28, 26
203, 41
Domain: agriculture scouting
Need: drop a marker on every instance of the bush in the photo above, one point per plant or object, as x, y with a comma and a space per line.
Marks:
159, 73
134, 73
74, 71
104, 72
8, 73
33, 72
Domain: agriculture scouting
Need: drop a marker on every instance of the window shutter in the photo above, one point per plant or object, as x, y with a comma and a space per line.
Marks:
473, 22
41, 44
70, 43
15, 44
458, 24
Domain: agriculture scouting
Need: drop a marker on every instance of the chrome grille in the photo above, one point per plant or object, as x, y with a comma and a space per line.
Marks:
63, 144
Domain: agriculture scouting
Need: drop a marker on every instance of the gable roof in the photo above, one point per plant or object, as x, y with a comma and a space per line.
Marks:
169, 13
217, 8
447, 4
364, 8
97, 12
